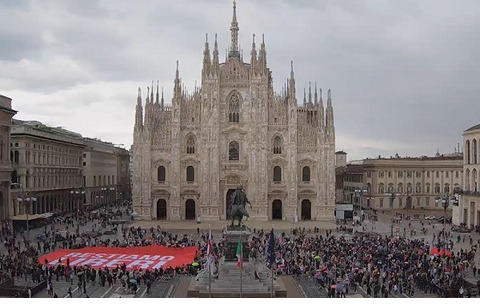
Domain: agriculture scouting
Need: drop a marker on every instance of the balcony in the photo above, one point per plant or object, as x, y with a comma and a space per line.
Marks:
469, 193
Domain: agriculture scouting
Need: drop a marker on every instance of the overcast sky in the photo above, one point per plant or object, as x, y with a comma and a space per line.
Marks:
404, 74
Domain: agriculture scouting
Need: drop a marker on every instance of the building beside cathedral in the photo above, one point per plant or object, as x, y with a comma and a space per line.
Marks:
188, 157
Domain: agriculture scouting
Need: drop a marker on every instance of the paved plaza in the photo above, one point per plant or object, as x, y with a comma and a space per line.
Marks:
176, 286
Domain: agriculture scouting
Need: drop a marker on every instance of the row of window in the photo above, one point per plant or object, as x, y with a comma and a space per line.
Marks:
42, 181
190, 174
418, 188
233, 147
418, 174
400, 202
471, 180
104, 180
48, 148
45, 159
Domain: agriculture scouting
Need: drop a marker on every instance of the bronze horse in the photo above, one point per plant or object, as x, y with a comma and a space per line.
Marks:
239, 201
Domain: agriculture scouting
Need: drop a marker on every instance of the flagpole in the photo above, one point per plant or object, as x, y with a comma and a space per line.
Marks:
241, 262
271, 267
210, 263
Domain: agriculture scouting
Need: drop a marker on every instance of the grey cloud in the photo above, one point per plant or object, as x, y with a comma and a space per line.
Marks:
403, 74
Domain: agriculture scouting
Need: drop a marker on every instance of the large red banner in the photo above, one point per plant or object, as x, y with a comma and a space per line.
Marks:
149, 257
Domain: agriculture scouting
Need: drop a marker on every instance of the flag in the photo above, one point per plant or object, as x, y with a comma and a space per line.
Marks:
271, 250
210, 261
239, 253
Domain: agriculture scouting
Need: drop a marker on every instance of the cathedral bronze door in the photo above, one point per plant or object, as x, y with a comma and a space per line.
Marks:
190, 209
228, 203
306, 210
161, 209
277, 210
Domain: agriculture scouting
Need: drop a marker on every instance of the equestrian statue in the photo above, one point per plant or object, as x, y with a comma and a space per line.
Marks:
239, 200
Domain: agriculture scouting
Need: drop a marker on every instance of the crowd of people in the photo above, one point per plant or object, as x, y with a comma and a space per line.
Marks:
381, 265
19, 260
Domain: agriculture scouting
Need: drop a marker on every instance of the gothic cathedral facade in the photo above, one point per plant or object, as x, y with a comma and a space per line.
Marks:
188, 157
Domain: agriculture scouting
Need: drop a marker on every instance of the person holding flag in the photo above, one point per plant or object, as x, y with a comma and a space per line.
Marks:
271, 256
210, 262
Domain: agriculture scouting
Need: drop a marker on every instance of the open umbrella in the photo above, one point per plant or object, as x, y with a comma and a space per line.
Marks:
317, 257
195, 264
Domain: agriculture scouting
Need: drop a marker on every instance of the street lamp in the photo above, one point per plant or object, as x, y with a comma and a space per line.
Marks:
112, 191
445, 201
26, 203
392, 196
76, 195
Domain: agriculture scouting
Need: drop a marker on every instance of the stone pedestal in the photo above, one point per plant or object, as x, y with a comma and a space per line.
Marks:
233, 235
255, 280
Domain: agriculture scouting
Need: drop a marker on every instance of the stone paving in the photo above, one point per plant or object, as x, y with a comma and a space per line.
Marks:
164, 288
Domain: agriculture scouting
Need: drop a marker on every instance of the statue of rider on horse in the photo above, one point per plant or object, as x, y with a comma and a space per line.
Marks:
239, 201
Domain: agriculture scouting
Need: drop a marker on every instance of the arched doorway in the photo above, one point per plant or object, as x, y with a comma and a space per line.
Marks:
306, 210
228, 203
2, 208
190, 210
409, 203
162, 209
277, 210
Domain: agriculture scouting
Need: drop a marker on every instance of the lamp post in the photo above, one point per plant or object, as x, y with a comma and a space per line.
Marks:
445, 201
112, 192
391, 196
77, 194
103, 189
26, 203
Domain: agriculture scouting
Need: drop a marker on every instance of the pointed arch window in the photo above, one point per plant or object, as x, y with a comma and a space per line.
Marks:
190, 174
191, 144
161, 174
277, 174
234, 108
233, 150
306, 174
277, 145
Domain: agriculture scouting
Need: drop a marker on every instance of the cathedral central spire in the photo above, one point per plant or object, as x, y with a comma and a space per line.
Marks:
234, 52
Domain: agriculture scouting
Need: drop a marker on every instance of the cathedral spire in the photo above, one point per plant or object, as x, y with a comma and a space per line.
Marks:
315, 97
215, 55
291, 83
177, 86
206, 58
156, 97
309, 93
304, 96
148, 108
234, 52
262, 57
151, 94
139, 110
329, 98
253, 60
162, 103
321, 112
329, 124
